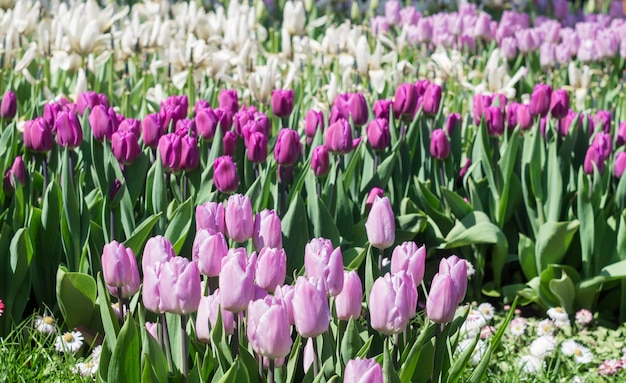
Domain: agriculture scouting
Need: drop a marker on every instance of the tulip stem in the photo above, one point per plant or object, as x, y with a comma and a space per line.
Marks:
120, 300
185, 352
375, 162
166, 342
185, 186
316, 365
270, 372
44, 169
283, 190
235, 340
111, 225
396, 344
380, 260
435, 375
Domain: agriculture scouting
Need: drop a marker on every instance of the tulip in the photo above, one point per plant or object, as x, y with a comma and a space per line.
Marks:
524, 118
170, 150
226, 118
118, 265
320, 161
230, 144
604, 144
240, 119
151, 328
494, 121
559, 103
363, 371
152, 129
411, 259
480, 103
249, 129
206, 123
452, 121
294, 17
210, 216
441, 303
125, 146
257, 147
439, 144
209, 248
69, 131
16, 172
282, 102
88, 100
236, 280
405, 100
189, 153
308, 354
313, 121
566, 123
457, 269
381, 108
421, 86
225, 174
348, 301
358, 109
432, 99
392, 11
323, 262
38, 135
389, 303
228, 99
173, 109
8, 108
311, 312
338, 111
157, 249
465, 168
620, 164
268, 328
540, 100
371, 197
207, 314
151, 291
131, 125
380, 225
238, 218
593, 157
267, 230
50, 111
378, 134
101, 124
287, 148
338, 137
284, 294
621, 134
179, 285
271, 268
603, 118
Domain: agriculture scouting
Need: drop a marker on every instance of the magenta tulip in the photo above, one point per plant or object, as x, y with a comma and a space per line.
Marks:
228, 99
559, 103
69, 131
313, 121
338, 138
620, 164
8, 108
359, 111
593, 157
282, 102
225, 176
378, 134
152, 129
405, 100
125, 146
439, 144
540, 100
320, 161
382, 108
170, 147
101, 124
432, 99
206, 123
287, 148
38, 135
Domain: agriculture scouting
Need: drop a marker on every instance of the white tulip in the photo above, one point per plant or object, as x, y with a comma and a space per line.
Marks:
294, 17
362, 55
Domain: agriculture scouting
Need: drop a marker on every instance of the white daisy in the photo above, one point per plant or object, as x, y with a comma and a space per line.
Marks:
70, 341
477, 353
558, 314
581, 354
531, 364
583, 317
543, 346
470, 269
86, 368
486, 310
45, 324
473, 324
95, 354
545, 327
518, 327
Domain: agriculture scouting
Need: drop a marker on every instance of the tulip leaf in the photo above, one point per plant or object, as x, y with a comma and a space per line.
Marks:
553, 240
148, 373
526, 254
343, 213
135, 177
620, 193
249, 363
382, 175
292, 362
555, 185
76, 294
218, 339
124, 365
295, 234
389, 373
459, 207
565, 291
158, 196
109, 321
235, 374
141, 233
321, 222
410, 363
180, 224
454, 374
351, 342
71, 214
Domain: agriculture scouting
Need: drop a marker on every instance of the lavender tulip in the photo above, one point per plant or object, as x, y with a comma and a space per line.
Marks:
225, 174
411, 259
348, 301
311, 312
380, 225
271, 268
238, 218
389, 303
267, 230
363, 371
324, 262
237, 280
179, 285
157, 249
268, 328
209, 248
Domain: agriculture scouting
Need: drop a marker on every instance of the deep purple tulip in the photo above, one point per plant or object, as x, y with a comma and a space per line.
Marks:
432, 99
38, 135
405, 100
621, 134
170, 147
338, 138
8, 108
225, 176
69, 131
452, 122
282, 102
206, 123
229, 143
226, 118
50, 111
439, 144
189, 153
125, 146
524, 118
257, 147
359, 111
228, 99
382, 108
480, 103
152, 129
559, 103
494, 121
131, 125
88, 100
320, 161
604, 144
313, 122
378, 134
602, 119
287, 148
101, 124
540, 100
16, 172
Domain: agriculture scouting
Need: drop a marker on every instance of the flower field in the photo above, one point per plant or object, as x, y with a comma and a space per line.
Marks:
290, 191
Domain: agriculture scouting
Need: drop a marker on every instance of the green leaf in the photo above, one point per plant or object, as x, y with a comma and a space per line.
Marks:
125, 361
76, 294
553, 240
141, 233
109, 320
411, 361
526, 254
295, 234
71, 214
351, 342
178, 228
389, 373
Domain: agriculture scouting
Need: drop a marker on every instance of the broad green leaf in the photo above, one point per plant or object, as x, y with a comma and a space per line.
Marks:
76, 294
180, 224
125, 361
141, 233
553, 240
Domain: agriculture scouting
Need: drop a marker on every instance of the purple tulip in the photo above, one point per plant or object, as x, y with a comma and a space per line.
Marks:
101, 124
348, 301
179, 285
392, 11
311, 312
559, 103
287, 148
69, 131
593, 157
238, 218
268, 328
439, 144
257, 147
206, 123
208, 251
604, 144
382, 108
432, 99
363, 371
441, 303
131, 125
390, 303
338, 137
125, 146
237, 280
207, 314
603, 119
323, 262
240, 119
170, 147
225, 174
157, 249
540, 100
226, 119
480, 103
8, 108
271, 268
88, 100
494, 121
282, 102
621, 134
228, 99
152, 129
313, 121
358, 109
411, 259
267, 230
151, 291
524, 118
189, 153
38, 135
230, 144
378, 134
457, 269
452, 122
380, 225
119, 266
320, 161
371, 197
16, 172
620, 164
210, 216
405, 100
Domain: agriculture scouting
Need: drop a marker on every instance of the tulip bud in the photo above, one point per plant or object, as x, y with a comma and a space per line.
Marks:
207, 313
267, 230
411, 259
320, 161
282, 102
603, 119
240, 119
38, 135
311, 312
363, 371
230, 144
8, 108
17, 171
524, 118
287, 148
348, 302
494, 121
101, 125
559, 103
69, 131
358, 109
189, 153
540, 100
465, 168
604, 144
271, 268
257, 147
452, 122
457, 269
405, 100
593, 157
125, 146
620, 164
313, 121
157, 249
268, 328
238, 218
371, 197
380, 225
389, 303
210, 216
294, 16
88, 100
439, 144
208, 251
378, 134
432, 99
441, 303
381, 108
228, 99
338, 137
206, 123
179, 285
324, 262
237, 280
225, 116
118, 265
170, 147
225, 174
152, 129
480, 103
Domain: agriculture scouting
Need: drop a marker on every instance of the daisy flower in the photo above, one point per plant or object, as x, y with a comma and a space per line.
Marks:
609, 367
472, 325
518, 327
545, 327
581, 354
583, 317
543, 346
487, 331
470, 269
95, 354
486, 310
45, 324
558, 314
530, 364
477, 353
86, 368
70, 341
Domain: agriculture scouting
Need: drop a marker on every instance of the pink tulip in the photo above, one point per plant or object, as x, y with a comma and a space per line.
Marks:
209, 248
410, 258
238, 218
348, 302
441, 303
271, 268
179, 285
311, 313
380, 225
207, 314
322, 261
157, 249
210, 216
236, 280
363, 371
118, 265
457, 269
267, 230
284, 294
390, 303
268, 328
